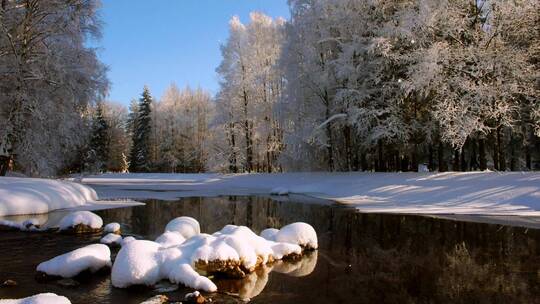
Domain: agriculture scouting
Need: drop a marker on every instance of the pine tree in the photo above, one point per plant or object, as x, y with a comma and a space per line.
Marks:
99, 142
142, 128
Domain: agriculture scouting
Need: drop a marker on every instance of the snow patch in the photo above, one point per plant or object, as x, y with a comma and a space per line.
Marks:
185, 225
298, 233
279, 191
92, 257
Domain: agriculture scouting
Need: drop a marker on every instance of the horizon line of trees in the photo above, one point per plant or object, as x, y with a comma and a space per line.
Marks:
344, 85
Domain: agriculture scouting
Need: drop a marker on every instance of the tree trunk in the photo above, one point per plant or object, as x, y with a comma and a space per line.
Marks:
462, 160
440, 156
455, 163
473, 158
482, 154
380, 152
431, 165
4, 165
500, 148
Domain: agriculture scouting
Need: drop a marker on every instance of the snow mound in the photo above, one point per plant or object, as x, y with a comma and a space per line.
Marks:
170, 238
85, 218
127, 240
111, 239
92, 257
298, 233
42, 298
112, 228
279, 191
234, 251
20, 196
185, 225
269, 234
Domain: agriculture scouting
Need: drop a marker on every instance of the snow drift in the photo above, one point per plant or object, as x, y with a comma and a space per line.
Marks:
34, 196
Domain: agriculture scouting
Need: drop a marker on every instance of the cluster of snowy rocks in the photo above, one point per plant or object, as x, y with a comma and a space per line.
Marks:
181, 255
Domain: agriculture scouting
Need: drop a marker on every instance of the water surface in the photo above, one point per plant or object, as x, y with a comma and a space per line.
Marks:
363, 258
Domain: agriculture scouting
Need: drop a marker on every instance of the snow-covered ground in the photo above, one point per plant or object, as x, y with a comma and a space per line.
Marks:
486, 193
37, 196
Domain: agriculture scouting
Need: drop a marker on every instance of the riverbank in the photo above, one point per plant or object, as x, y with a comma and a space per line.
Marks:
466, 193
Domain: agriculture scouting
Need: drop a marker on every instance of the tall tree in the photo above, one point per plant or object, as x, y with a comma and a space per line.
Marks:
140, 150
98, 153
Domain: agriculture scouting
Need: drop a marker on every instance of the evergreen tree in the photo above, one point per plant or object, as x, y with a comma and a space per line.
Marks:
142, 128
99, 142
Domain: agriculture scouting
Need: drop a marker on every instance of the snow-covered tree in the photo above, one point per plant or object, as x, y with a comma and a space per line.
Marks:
141, 141
98, 152
49, 76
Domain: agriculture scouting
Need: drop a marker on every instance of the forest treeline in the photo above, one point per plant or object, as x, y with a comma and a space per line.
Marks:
343, 85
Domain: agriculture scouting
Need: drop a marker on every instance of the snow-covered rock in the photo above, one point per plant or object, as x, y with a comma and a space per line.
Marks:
42, 298
92, 257
33, 196
170, 238
81, 221
298, 233
269, 234
127, 240
185, 225
111, 239
136, 264
234, 251
112, 228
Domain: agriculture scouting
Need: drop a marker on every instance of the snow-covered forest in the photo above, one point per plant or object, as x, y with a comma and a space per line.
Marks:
344, 85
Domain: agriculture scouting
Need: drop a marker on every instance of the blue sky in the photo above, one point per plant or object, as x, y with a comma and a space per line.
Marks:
164, 41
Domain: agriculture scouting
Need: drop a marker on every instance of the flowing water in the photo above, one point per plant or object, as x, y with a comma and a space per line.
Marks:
363, 258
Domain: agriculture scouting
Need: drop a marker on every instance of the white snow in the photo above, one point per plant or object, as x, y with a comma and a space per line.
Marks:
185, 225
111, 239
127, 240
298, 233
111, 228
279, 191
42, 298
34, 196
92, 257
142, 262
486, 193
269, 234
81, 217
170, 238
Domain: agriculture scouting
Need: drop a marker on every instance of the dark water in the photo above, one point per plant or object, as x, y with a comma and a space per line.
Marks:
363, 258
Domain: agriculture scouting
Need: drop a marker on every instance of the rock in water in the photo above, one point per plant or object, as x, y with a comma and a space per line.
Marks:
159, 299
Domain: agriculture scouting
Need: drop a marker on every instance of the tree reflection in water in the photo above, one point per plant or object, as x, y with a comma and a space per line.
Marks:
367, 257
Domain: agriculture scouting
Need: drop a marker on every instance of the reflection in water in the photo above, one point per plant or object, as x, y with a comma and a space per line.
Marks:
363, 258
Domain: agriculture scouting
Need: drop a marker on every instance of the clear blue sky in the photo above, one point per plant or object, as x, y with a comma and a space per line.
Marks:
164, 41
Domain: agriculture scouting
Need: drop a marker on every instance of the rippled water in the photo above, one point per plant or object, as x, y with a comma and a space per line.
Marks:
363, 258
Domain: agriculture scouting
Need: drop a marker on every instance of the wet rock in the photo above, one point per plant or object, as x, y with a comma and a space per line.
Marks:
194, 298
9, 283
159, 299
68, 283
82, 229
227, 268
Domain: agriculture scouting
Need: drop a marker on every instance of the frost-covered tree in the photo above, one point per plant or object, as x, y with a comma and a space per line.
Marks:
49, 77
251, 84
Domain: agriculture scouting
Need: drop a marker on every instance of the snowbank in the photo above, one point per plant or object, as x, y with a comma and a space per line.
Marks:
42, 298
34, 196
85, 218
487, 193
234, 251
92, 257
